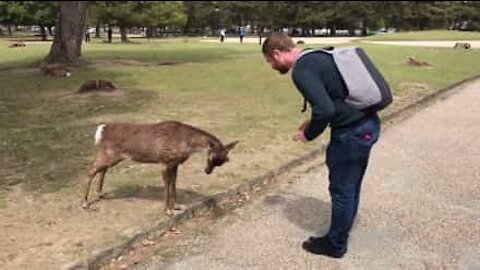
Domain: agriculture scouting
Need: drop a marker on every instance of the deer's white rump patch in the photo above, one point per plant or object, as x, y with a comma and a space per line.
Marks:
98, 133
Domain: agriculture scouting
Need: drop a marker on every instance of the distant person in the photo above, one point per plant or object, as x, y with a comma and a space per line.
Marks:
241, 33
87, 34
222, 35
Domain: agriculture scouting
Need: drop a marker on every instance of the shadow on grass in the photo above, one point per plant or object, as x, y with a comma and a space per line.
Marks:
156, 55
148, 192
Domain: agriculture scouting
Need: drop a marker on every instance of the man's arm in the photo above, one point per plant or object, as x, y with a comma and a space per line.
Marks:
307, 80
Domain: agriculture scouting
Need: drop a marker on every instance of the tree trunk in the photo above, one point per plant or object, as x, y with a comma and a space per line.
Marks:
9, 28
67, 43
123, 34
43, 33
1, 31
333, 30
149, 31
50, 31
97, 31
186, 29
109, 34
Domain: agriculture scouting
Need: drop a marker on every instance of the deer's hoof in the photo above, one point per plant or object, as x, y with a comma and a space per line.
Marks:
180, 207
85, 205
102, 195
175, 211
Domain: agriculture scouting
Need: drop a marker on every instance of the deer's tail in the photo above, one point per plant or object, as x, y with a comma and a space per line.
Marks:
99, 133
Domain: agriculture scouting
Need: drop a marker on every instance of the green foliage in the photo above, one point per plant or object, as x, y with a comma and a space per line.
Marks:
12, 12
41, 12
210, 15
138, 13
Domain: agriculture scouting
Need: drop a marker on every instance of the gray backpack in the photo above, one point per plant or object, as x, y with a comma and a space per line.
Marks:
367, 89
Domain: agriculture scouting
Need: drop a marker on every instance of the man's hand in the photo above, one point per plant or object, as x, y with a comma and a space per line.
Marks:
300, 136
304, 124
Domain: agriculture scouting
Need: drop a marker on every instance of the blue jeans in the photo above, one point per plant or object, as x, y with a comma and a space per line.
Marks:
347, 160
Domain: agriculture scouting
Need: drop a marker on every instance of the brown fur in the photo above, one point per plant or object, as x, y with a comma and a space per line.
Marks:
169, 143
413, 62
56, 69
94, 85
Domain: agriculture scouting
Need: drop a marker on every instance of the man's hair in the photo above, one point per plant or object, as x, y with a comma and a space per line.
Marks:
277, 41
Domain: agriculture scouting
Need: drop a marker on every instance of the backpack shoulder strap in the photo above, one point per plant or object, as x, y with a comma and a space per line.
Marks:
327, 50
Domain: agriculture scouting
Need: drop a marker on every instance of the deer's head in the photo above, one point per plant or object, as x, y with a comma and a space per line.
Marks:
217, 156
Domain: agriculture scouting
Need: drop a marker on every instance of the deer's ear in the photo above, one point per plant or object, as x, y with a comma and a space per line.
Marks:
230, 146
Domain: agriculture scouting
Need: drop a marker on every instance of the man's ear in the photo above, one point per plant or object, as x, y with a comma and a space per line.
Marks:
230, 146
275, 53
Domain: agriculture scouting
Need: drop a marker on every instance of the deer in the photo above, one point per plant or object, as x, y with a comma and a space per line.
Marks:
462, 45
413, 62
93, 85
17, 44
168, 143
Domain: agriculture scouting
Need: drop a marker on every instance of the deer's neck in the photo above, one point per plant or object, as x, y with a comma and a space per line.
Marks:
206, 141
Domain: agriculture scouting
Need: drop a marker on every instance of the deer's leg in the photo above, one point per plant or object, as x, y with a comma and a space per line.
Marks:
170, 178
100, 192
111, 162
91, 174
175, 206
101, 165
166, 177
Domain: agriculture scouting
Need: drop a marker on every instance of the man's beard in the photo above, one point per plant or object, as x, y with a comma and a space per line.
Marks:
283, 70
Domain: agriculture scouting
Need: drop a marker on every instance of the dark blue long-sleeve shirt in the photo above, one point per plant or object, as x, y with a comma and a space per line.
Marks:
318, 80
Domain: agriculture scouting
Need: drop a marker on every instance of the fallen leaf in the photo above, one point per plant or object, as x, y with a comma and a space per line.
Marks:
147, 242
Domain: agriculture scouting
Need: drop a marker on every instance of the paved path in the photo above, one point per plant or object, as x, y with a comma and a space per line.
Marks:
437, 44
339, 40
420, 205
307, 40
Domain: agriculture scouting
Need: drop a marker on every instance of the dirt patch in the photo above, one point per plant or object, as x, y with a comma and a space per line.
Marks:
48, 231
85, 97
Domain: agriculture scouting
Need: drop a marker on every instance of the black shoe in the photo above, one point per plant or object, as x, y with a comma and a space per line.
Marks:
314, 239
321, 246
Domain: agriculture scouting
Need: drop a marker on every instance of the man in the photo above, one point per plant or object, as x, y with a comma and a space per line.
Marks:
241, 33
87, 34
222, 35
353, 133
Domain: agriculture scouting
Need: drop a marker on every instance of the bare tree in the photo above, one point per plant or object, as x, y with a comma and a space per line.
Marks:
66, 46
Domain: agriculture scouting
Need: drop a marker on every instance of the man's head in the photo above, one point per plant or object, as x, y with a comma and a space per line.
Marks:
280, 51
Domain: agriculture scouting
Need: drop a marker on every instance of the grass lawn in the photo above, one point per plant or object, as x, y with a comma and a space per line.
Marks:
427, 35
228, 89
